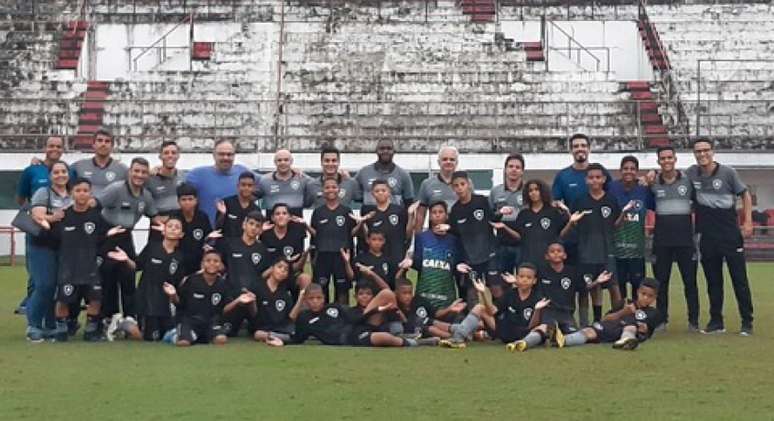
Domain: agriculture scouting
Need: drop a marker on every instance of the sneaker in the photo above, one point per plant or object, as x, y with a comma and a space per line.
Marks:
170, 337
559, 337
35, 336
714, 328
431, 341
115, 321
413, 335
448, 343
21, 310
747, 330
518, 346
693, 327
662, 327
626, 344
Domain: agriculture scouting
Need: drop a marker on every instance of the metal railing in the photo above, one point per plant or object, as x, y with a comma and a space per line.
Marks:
161, 50
547, 40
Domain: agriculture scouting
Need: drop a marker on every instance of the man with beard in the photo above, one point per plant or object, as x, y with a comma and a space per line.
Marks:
101, 170
384, 168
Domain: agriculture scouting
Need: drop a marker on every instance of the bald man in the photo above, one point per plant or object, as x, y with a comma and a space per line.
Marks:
284, 185
438, 187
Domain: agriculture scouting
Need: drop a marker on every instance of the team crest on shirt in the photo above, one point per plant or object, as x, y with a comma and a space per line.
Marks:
141, 207
717, 184
295, 184
421, 312
173, 267
332, 312
68, 289
394, 219
606, 211
288, 251
198, 233
280, 305
215, 299
342, 193
392, 182
527, 313
256, 258
478, 214
640, 315
385, 267
340, 220
682, 190
110, 176
520, 200
545, 223
89, 227
566, 282
587, 279
99, 261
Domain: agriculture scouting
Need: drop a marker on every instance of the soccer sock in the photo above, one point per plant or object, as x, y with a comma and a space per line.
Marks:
61, 325
396, 328
628, 334
583, 316
466, 328
410, 342
597, 313
92, 323
126, 324
577, 338
533, 339
284, 336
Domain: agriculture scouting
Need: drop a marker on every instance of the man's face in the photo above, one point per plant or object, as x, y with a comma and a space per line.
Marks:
138, 174
169, 156
252, 228
246, 187
54, 148
187, 203
173, 229
514, 170
381, 193
580, 150
81, 194
283, 160
595, 179
447, 160
103, 145
385, 151
224, 156
629, 172
460, 186
703, 153
330, 164
438, 215
667, 160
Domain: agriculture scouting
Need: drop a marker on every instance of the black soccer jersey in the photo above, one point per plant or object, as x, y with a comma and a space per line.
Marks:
560, 287
648, 315
512, 311
202, 302
157, 267
538, 230
470, 222
273, 306
382, 266
595, 229
333, 228
331, 326
421, 315
195, 234
244, 264
79, 236
291, 244
230, 223
392, 222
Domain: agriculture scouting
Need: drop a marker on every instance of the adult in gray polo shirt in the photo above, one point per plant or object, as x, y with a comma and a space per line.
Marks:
283, 185
101, 169
717, 187
507, 199
384, 168
163, 184
349, 189
437, 187
123, 203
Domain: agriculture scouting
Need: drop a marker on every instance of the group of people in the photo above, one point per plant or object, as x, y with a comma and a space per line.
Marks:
228, 250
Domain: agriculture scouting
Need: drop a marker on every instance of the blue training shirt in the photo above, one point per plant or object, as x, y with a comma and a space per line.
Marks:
213, 185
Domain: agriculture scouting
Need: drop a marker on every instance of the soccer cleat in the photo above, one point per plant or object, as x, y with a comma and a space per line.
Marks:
112, 328
693, 327
431, 341
448, 343
626, 344
559, 338
519, 346
35, 336
661, 328
714, 328
747, 330
21, 310
481, 336
170, 337
412, 335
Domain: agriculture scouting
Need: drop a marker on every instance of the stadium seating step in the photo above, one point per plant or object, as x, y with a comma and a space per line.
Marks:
93, 106
78, 25
70, 45
63, 64
82, 142
533, 55
83, 129
658, 141
478, 10
91, 113
482, 18
95, 95
533, 45
642, 95
650, 118
653, 129
638, 85
648, 106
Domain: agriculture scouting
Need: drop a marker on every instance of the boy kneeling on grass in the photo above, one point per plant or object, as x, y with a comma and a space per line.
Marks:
625, 328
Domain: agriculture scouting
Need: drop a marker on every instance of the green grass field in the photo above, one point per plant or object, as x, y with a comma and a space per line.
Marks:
677, 375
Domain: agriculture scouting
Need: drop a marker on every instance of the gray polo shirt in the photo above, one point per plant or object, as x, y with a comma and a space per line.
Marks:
716, 202
50, 199
164, 190
500, 196
291, 192
121, 207
349, 190
674, 207
434, 189
100, 177
398, 179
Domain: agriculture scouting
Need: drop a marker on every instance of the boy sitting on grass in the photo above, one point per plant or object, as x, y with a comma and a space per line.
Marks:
419, 316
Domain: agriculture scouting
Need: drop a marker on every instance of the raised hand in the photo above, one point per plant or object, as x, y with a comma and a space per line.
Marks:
345, 254
413, 208
387, 307
604, 277
497, 225
215, 234
463, 268
169, 289
297, 220
507, 210
577, 216
221, 207
246, 298
543, 303
267, 225
629, 206
405, 263
479, 285
509, 278
157, 227
118, 255
115, 231
457, 306
560, 205
441, 228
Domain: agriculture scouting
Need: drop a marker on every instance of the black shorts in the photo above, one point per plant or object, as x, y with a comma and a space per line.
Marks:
563, 318
608, 331
590, 272
240, 316
197, 332
630, 271
329, 264
287, 328
361, 336
154, 327
508, 332
488, 271
73, 294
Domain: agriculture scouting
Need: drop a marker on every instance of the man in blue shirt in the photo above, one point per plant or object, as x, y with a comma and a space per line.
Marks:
213, 183
32, 178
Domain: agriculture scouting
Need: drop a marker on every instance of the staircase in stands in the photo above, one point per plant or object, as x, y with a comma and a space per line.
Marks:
480, 11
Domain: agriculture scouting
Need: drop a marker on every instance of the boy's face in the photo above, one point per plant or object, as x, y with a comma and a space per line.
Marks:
364, 296
187, 203
375, 242
404, 295
629, 172
533, 191
173, 229
438, 215
281, 216
331, 190
211, 264
595, 179
525, 278
252, 228
81, 194
460, 186
667, 160
646, 296
280, 271
246, 187
381, 193
556, 254
315, 301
